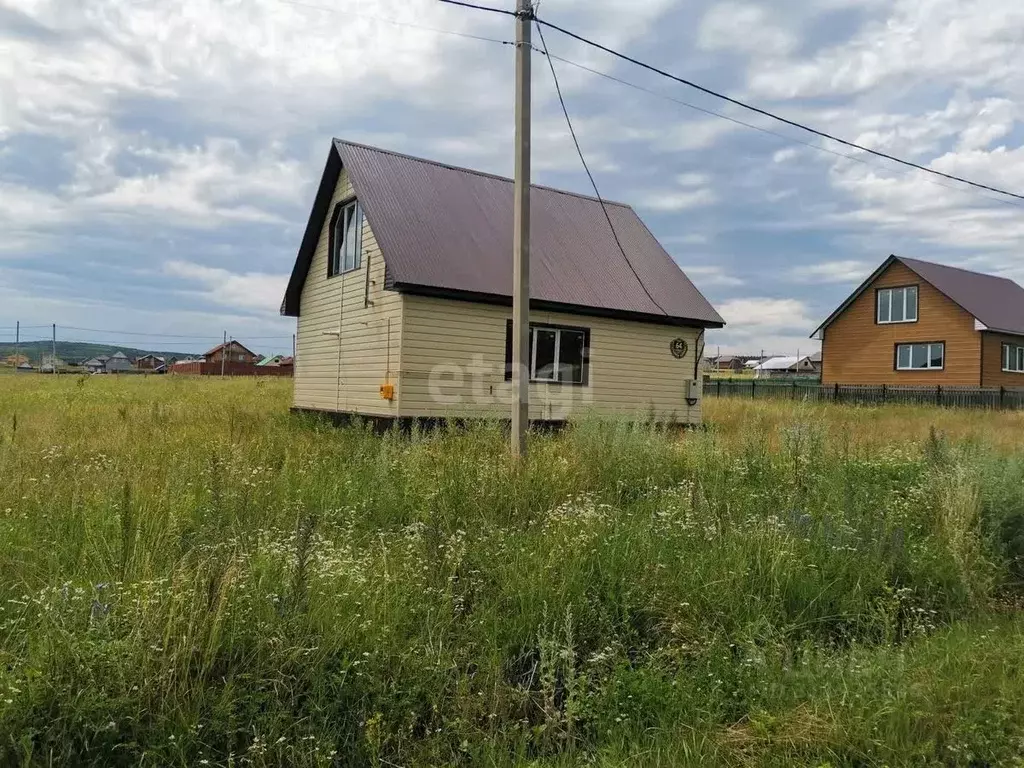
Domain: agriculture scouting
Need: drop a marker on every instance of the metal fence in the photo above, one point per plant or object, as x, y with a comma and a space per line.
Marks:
958, 397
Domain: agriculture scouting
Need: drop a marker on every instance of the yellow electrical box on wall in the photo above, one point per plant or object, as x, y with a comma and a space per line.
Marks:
387, 391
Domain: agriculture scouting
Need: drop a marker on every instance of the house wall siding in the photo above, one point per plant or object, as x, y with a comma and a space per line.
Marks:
857, 350
344, 349
993, 374
453, 365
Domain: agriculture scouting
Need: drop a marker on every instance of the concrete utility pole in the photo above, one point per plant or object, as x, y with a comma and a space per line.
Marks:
521, 236
17, 345
53, 351
223, 352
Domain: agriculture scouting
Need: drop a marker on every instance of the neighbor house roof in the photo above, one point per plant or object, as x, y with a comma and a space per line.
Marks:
231, 343
448, 231
779, 363
995, 302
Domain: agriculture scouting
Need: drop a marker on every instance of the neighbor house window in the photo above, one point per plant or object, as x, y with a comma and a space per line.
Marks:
1013, 358
558, 354
897, 305
346, 239
920, 357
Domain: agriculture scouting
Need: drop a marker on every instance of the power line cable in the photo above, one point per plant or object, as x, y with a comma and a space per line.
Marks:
773, 116
863, 161
480, 7
398, 23
583, 160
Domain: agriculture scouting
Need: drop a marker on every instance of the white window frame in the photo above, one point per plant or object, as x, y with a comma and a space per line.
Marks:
342, 260
1013, 358
928, 356
557, 365
888, 293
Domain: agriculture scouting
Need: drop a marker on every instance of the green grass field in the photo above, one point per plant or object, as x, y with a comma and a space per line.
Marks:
190, 575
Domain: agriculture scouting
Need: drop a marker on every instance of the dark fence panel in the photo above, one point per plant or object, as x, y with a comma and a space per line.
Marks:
955, 397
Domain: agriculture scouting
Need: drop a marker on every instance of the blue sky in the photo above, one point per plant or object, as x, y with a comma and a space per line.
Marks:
158, 160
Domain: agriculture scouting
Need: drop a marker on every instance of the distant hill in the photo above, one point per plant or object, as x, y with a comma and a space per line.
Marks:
80, 350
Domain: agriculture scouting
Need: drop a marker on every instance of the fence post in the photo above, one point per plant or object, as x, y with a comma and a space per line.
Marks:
885, 389
938, 394
753, 384
835, 395
719, 387
1002, 397
793, 394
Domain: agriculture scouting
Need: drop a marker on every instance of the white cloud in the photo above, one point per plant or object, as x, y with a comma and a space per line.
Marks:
784, 155
743, 27
765, 315
844, 271
705, 275
971, 42
695, 193
249, 291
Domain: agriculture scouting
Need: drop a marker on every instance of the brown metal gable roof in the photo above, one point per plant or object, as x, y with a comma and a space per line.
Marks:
446, 229
996, 302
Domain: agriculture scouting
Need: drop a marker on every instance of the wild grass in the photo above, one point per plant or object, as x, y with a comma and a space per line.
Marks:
190, 575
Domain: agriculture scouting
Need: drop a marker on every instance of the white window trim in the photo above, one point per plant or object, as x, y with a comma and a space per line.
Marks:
556, 365
1017, 350
340, 232
888, 292
928, 355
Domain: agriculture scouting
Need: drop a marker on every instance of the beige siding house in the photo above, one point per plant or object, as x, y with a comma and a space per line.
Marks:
402, 292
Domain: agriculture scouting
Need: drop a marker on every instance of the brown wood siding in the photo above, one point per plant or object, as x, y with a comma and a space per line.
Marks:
857, 350
993, 374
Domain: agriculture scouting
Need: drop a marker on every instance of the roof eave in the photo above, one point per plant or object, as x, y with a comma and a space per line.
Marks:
553, 306
819, 332
317, 216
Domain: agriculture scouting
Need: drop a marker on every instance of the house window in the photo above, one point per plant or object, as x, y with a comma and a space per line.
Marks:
920, 357
1013, 358
346, 239
897, 305
558, 354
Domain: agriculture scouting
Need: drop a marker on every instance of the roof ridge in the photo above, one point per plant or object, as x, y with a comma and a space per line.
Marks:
989, 275
478, 172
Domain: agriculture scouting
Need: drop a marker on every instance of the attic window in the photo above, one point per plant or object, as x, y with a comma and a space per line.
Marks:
346, 238
897, 305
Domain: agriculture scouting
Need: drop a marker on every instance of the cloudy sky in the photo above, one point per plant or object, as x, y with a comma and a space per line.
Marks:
158, 159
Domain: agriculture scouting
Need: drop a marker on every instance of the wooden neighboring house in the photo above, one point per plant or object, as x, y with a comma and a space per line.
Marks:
918, 323
728, 364
152, 363
815, 361
402, 289
96, 364
118, 363
232, 352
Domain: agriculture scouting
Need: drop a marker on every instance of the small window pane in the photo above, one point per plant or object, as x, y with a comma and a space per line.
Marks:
911, 303
935, 355
570, 356
883, 306
897, 305
544, 345
918, 355
1020, 359
903, 356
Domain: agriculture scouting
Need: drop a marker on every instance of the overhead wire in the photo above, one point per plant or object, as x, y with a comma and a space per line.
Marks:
870, 163
586, 167
772, 115
396, 22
